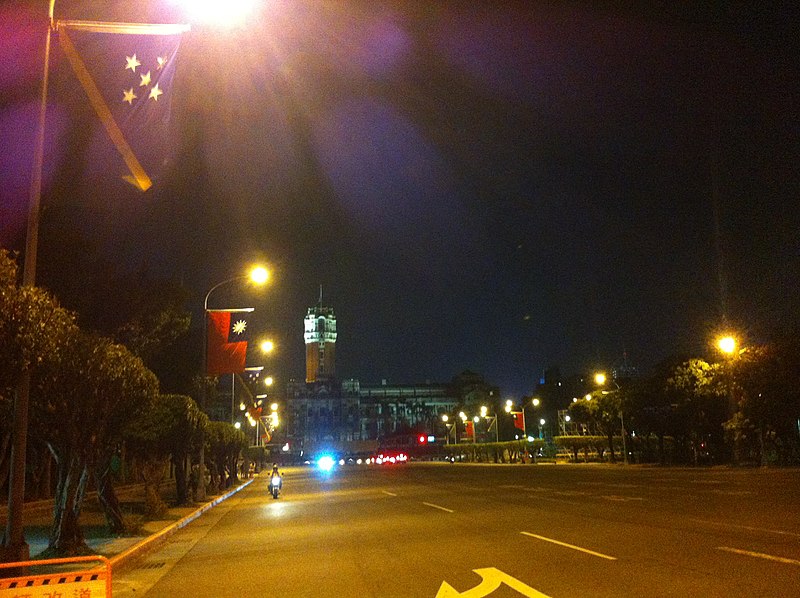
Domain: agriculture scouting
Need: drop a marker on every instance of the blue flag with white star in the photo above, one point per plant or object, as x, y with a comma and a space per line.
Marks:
126, 72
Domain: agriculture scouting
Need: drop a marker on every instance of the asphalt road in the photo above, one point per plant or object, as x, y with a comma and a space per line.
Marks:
444, 530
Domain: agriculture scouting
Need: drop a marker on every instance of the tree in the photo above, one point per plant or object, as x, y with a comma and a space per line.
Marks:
173, 428
651, 407
694, 388
765, 381
83, 399
151, 440
32, 328
224, 444
600, 414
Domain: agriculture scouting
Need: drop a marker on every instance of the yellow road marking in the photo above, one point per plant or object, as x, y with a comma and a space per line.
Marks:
491, 580
586, 550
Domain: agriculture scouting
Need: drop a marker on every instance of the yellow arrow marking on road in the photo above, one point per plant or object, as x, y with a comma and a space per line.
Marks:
491, 580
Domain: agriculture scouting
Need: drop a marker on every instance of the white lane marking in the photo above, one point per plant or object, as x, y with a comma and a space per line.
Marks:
586, 550
561, 501
389, 493
618, 498
749, 528
430, 504
760, 555
570, 493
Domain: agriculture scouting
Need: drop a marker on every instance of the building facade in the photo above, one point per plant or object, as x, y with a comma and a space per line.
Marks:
320, 339
348, 416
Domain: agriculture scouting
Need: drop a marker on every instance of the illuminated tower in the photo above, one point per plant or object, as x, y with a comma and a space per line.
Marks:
320, 337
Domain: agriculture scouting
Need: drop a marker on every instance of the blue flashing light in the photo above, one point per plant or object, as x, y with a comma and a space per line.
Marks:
325, 463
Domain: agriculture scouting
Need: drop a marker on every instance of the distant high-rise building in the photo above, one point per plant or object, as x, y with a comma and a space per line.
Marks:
320, 338
624, 371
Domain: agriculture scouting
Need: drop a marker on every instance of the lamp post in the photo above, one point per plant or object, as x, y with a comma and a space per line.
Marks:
728, 344
492, 422
14, 545
258, 275
600, 379
449, 426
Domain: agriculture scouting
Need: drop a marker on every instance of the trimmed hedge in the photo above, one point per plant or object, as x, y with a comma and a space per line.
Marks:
512, 451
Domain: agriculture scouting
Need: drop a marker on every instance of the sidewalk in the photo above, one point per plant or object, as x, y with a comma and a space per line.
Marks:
118, 549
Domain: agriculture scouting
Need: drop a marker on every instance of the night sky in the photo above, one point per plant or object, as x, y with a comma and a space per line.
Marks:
499, 186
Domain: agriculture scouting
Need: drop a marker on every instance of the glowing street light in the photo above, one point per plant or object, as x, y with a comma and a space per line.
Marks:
600, 379
221, 14
258, 275
727, 344
269, 381
267, 346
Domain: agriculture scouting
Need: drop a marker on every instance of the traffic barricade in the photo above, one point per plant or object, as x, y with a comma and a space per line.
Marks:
94, 582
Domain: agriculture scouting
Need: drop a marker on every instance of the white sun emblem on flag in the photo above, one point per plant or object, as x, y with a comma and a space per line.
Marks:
239, 326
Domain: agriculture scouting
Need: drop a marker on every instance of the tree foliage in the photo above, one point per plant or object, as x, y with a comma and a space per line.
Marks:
33, 327
764, 383
173, 428
224, 444
82, 400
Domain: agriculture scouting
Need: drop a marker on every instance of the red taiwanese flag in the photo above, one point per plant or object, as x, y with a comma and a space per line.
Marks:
227, 341
469, 428
519, 420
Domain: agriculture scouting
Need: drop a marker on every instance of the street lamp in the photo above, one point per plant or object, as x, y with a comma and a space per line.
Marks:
727, 344
222, 14
449, 426
259, 276
600, 379
492, 422
14, 545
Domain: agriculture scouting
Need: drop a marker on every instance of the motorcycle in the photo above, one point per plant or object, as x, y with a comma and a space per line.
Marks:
275, 483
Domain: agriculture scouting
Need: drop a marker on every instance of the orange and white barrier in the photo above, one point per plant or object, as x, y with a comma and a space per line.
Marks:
94, 582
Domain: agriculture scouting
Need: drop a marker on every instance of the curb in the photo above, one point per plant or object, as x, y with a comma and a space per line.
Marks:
121, 560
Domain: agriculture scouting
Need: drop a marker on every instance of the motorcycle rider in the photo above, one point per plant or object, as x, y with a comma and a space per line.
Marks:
273, 474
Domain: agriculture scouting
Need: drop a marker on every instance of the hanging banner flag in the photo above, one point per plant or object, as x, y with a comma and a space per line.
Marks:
228, 332
126, 72
519, 420
470, 429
